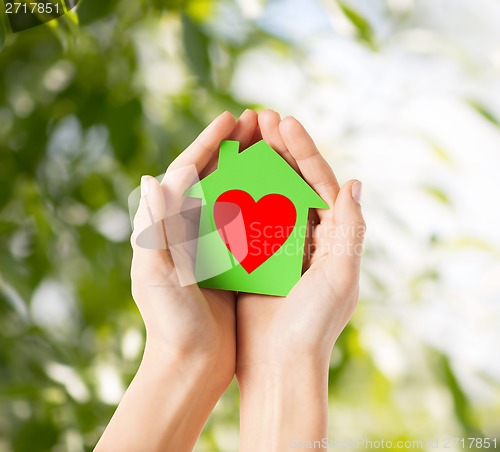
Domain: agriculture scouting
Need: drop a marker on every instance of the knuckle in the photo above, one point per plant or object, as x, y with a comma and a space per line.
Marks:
360, 227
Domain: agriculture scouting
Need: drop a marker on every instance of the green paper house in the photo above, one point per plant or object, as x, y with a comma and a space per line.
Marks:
253, 221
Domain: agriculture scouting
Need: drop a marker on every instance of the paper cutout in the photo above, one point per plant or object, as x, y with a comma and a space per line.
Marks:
259, 206
265, 227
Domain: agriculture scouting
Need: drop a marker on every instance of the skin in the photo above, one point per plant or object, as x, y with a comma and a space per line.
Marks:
197, 339
284, 344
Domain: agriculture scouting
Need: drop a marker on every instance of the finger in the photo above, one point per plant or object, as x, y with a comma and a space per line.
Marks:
187, 168
185, 171
201, 150
245, 128
269, 121
347, 244
149, 233
154, 264
314, 168
256, 137
210, 167
242, 132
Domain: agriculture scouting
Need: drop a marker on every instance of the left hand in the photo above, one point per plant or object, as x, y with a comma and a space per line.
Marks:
185, 321
190, 352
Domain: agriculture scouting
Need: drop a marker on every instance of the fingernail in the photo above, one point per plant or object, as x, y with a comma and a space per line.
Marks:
248, 109
144, 185
356, 191
217, 118
271, 111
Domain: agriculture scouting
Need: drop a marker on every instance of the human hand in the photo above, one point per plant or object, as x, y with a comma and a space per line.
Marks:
284, 343
187, 321
189, 358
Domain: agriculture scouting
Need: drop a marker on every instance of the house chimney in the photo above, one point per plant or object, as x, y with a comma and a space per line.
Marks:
228, 151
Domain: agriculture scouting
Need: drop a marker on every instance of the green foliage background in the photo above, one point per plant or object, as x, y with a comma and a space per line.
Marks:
77, 130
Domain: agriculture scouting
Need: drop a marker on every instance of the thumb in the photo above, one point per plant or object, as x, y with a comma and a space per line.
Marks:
349, 232
149, 239
148, 231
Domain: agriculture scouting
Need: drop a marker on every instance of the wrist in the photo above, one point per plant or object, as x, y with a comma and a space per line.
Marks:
195, 365
279, 367
281, 403
166, 404
286, 376
159, 355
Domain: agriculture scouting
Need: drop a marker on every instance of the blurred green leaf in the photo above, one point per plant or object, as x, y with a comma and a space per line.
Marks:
196, 47
199, 10
441, 153
438, 194
3, 31
460, 400
43, 429
465, 241
362, 26
484, 111
89, 11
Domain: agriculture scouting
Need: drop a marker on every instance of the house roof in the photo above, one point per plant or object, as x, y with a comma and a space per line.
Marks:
259, 170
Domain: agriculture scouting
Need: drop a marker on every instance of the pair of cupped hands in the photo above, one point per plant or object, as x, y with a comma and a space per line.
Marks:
258, 338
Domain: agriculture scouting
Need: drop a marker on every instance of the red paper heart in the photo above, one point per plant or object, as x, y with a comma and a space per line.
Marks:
253, 231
